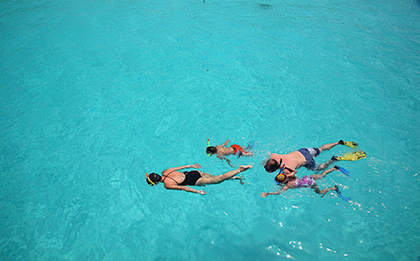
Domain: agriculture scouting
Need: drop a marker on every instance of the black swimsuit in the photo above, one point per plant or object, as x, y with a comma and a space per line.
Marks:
191, 178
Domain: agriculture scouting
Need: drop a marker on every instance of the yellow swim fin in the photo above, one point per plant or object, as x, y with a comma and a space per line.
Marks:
352, 156
350, 144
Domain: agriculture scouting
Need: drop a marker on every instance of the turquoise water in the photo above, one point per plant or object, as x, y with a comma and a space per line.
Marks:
94, 94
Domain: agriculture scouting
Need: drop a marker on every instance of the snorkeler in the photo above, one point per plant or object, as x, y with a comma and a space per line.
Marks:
291, 181
222, 151
174, 179
305, 157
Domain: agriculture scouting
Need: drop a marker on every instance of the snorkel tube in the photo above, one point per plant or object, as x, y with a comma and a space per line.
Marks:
151, 182
208, 145
282, 167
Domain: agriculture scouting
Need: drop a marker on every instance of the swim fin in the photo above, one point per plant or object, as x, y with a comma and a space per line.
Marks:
351, 156
350, 144
250, 145
238, 154
343, 170
346, 199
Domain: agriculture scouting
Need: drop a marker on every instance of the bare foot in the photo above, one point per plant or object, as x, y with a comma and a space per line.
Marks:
243, 168
241, 179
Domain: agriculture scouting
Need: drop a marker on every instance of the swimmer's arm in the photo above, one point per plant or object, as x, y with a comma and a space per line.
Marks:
224, 158
292, 171
185, 188
219, 148
226, 143
195, 166
265, 194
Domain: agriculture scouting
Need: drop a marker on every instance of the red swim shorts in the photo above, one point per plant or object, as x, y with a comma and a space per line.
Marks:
236, 147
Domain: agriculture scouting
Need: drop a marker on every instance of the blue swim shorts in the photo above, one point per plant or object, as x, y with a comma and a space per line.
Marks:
310, 154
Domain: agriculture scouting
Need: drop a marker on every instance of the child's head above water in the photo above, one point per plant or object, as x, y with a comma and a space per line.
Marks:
211, 150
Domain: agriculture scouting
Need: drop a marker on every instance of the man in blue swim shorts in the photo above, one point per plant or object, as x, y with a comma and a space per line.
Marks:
302, 157
310, 154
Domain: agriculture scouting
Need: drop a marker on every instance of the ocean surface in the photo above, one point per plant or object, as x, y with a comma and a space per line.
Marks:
93, 94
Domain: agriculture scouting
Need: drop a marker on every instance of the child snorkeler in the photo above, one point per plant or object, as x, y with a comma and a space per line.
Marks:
291, 181
222, 151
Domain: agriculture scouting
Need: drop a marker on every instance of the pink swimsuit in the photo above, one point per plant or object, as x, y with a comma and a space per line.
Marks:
305, 182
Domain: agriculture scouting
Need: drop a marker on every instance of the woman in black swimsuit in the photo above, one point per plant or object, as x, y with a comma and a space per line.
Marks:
174, 179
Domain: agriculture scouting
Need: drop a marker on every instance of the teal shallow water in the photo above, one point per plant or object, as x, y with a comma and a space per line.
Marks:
95, 94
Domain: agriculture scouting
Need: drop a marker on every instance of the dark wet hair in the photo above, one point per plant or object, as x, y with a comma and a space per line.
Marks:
154, 177
271, 165
211, 150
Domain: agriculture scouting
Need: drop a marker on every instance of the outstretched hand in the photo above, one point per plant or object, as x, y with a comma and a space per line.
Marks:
202, 192
196, 166
264, 194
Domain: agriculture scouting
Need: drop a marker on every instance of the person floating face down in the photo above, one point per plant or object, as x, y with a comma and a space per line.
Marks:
222, 151
305, 157
174, 179
290, 180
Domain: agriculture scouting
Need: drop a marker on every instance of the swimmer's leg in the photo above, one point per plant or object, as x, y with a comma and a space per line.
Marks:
204, 175
220, 178
323, 174
324, 191
328, 146
326, 164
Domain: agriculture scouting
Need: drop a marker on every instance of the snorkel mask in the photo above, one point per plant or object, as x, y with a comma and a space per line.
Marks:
149, 181
279, 178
